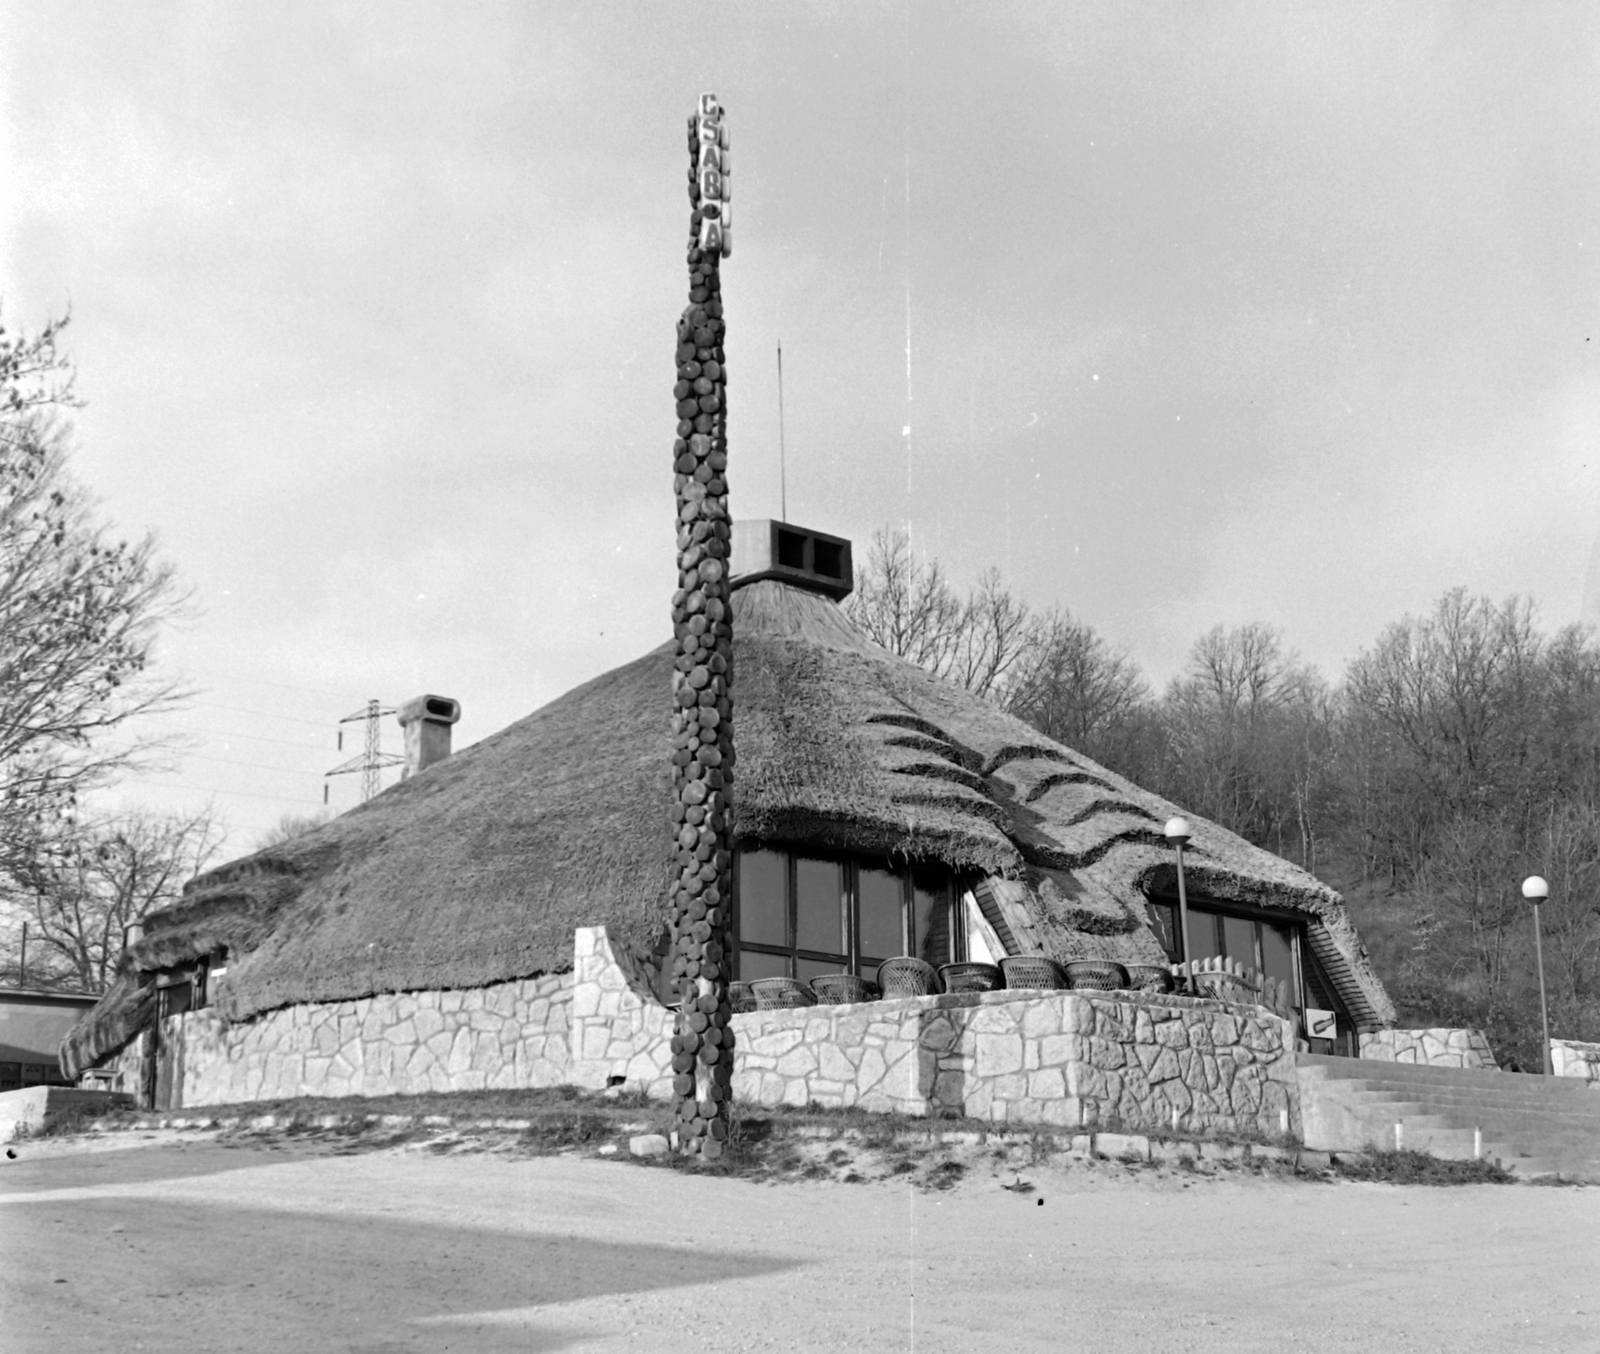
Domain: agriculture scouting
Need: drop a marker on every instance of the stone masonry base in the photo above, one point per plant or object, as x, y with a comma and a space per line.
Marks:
1071, 1059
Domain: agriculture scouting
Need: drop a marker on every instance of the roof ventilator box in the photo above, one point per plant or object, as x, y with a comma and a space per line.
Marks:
764, 548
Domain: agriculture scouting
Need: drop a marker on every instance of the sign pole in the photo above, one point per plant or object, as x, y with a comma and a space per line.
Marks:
702, 679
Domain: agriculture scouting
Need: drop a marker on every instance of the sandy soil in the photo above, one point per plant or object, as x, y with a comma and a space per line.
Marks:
179, 1244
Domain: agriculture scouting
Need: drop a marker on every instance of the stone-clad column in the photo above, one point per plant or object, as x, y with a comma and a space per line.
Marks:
702, 720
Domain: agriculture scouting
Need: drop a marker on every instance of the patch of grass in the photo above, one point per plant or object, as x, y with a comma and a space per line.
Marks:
1418, 1168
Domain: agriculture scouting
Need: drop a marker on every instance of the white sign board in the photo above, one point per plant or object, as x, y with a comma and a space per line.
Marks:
1321, 1024
714, 165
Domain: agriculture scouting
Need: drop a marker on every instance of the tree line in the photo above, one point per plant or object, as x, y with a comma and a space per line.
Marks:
1456, 754
80, 611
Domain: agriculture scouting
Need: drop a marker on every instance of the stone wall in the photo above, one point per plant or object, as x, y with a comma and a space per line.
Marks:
619, 1027
1061, 1058
1435, 1047
498, 1037
1078, 1059
1570, 1058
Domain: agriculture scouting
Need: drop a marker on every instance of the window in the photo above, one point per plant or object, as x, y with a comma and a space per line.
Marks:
174, 999
801, 915
1257, 940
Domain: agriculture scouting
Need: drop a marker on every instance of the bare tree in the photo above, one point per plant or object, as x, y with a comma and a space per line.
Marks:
79, 611
293, 825
81, 896
907, 606
995, 631
1074, 687
1245, 733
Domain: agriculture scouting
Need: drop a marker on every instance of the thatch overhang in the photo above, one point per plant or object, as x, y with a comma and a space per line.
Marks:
478, 869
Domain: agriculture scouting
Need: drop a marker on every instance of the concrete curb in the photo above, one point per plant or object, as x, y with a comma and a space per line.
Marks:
1128, 1148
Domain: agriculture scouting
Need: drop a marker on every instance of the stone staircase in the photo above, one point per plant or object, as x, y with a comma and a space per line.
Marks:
1533, 1125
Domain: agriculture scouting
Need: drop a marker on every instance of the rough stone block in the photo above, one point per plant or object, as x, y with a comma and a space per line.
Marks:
1106, 1054
832, 1064
798, 1062
998, 1054
1040, 1018
1057, 1049
649, 1145
1173, 1034
1047, 1085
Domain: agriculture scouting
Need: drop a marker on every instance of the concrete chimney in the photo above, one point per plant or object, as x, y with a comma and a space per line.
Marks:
426, 721
803, 558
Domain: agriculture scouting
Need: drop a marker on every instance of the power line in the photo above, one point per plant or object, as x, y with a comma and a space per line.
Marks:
240, 794
254, 766
261, 681
180, 756
231, 733
264, 714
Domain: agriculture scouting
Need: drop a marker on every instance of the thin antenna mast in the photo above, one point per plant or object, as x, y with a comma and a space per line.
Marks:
783, 475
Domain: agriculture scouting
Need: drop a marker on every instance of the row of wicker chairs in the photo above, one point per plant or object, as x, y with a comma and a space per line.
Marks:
908, 977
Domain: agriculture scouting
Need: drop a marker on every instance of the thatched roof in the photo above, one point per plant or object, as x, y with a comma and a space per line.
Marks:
478, 869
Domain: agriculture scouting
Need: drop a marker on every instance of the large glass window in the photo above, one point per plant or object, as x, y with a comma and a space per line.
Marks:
763, 888
802, 915
1261, 942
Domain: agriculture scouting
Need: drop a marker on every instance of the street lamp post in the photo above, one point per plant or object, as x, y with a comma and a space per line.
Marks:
1177, 832
1535, 890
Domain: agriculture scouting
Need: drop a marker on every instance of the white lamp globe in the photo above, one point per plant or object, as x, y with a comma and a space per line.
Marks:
1177, 830
1534, 889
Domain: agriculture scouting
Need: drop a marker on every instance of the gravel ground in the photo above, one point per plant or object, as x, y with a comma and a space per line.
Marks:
180, 1242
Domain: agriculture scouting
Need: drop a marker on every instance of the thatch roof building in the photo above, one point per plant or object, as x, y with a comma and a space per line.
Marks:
477, 870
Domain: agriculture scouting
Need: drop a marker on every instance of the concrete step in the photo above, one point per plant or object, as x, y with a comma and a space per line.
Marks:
1329, 1065
1483, 1111
1533, 1125
1557, 1105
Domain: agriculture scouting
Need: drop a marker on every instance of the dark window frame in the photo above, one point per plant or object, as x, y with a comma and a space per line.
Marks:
1217, 909
1308, 969
853, 959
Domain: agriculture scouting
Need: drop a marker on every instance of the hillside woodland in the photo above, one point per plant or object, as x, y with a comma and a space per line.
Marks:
1457, 754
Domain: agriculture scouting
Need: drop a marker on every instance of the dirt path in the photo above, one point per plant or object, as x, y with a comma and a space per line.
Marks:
184, 1245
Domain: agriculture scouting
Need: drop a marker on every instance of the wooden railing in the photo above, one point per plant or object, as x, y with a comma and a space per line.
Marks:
1229, 980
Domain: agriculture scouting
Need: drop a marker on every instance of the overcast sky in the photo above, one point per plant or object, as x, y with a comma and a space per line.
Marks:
1215, 313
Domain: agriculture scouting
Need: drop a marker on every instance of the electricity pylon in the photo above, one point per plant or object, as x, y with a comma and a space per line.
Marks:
372, 759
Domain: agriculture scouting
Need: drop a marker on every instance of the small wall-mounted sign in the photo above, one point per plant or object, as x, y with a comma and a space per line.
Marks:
1321, 1024
714, 166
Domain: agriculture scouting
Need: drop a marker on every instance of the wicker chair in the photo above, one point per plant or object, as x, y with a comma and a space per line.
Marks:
741, 998
1033, 970
840, 989
1096, 975
908, 977
1149, 977
781, 994
970, 977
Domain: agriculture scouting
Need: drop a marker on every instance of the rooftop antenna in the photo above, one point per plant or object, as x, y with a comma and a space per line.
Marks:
783, 476
372, 759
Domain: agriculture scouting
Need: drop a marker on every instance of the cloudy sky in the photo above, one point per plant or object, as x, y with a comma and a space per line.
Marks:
1214, 313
